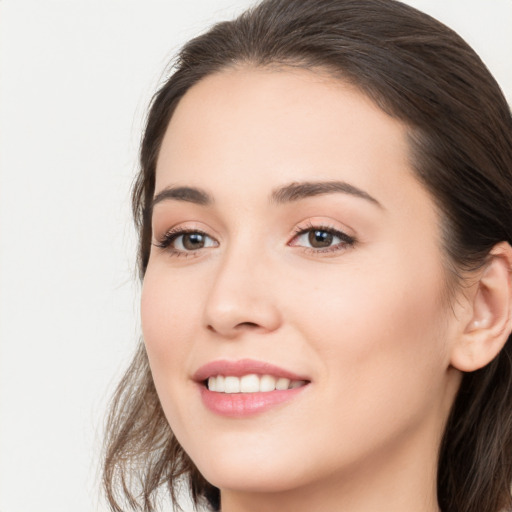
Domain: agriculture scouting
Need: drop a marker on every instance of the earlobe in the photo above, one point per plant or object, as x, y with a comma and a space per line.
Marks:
489, 321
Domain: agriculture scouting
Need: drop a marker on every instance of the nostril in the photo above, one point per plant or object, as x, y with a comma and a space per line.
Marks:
251, 325
241, 325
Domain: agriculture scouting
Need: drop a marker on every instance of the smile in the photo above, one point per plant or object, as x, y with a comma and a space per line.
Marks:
246, 387
251, 383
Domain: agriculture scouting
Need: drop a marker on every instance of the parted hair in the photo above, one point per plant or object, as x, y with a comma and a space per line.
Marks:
460, 135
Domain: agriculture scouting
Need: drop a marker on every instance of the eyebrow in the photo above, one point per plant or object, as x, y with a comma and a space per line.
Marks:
188, 194
284, 194
302, 190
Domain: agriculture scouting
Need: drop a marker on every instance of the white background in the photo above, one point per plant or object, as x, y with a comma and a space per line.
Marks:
75, 79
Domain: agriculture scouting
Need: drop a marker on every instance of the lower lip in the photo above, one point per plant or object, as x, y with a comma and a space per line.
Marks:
238, 405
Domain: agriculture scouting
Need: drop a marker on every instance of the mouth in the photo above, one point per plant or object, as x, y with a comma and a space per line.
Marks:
246, 387
251, 383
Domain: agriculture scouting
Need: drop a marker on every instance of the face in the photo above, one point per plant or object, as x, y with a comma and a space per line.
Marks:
291, 240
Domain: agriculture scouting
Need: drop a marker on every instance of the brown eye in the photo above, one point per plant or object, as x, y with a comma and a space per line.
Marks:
193, 241
320, 239
186, 241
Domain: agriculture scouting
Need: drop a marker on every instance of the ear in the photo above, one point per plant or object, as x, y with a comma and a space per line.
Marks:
487, 323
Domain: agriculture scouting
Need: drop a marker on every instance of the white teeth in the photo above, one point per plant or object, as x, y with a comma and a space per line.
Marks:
232, 385
219, 384
251, 383
267, 383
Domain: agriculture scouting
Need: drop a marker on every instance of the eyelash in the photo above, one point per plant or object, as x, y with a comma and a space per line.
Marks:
172, 235
347, 241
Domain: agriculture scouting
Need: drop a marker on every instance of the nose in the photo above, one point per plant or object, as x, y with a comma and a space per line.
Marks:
241, 297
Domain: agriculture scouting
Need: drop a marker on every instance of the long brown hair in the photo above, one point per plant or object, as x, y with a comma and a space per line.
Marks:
460, 133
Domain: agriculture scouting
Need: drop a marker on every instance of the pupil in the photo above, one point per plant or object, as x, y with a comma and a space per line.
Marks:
319, 239
193, 241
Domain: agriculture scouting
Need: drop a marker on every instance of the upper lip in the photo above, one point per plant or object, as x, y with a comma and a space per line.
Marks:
242, 367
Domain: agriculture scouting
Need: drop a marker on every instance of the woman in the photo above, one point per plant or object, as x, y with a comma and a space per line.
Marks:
325, 211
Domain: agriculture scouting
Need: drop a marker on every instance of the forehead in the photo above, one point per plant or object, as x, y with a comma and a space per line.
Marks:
252, 129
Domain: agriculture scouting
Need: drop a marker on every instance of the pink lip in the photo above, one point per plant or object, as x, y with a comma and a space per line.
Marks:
243, 367
238, 405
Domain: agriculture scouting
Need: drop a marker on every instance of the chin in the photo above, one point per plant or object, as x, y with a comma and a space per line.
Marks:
261, 480
243, 472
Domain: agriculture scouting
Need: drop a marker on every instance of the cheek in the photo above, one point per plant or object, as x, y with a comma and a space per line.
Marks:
168, 312
168, 304
382, 356
368, 306
379, 332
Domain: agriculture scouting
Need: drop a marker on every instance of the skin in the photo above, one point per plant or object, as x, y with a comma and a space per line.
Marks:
367, 322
